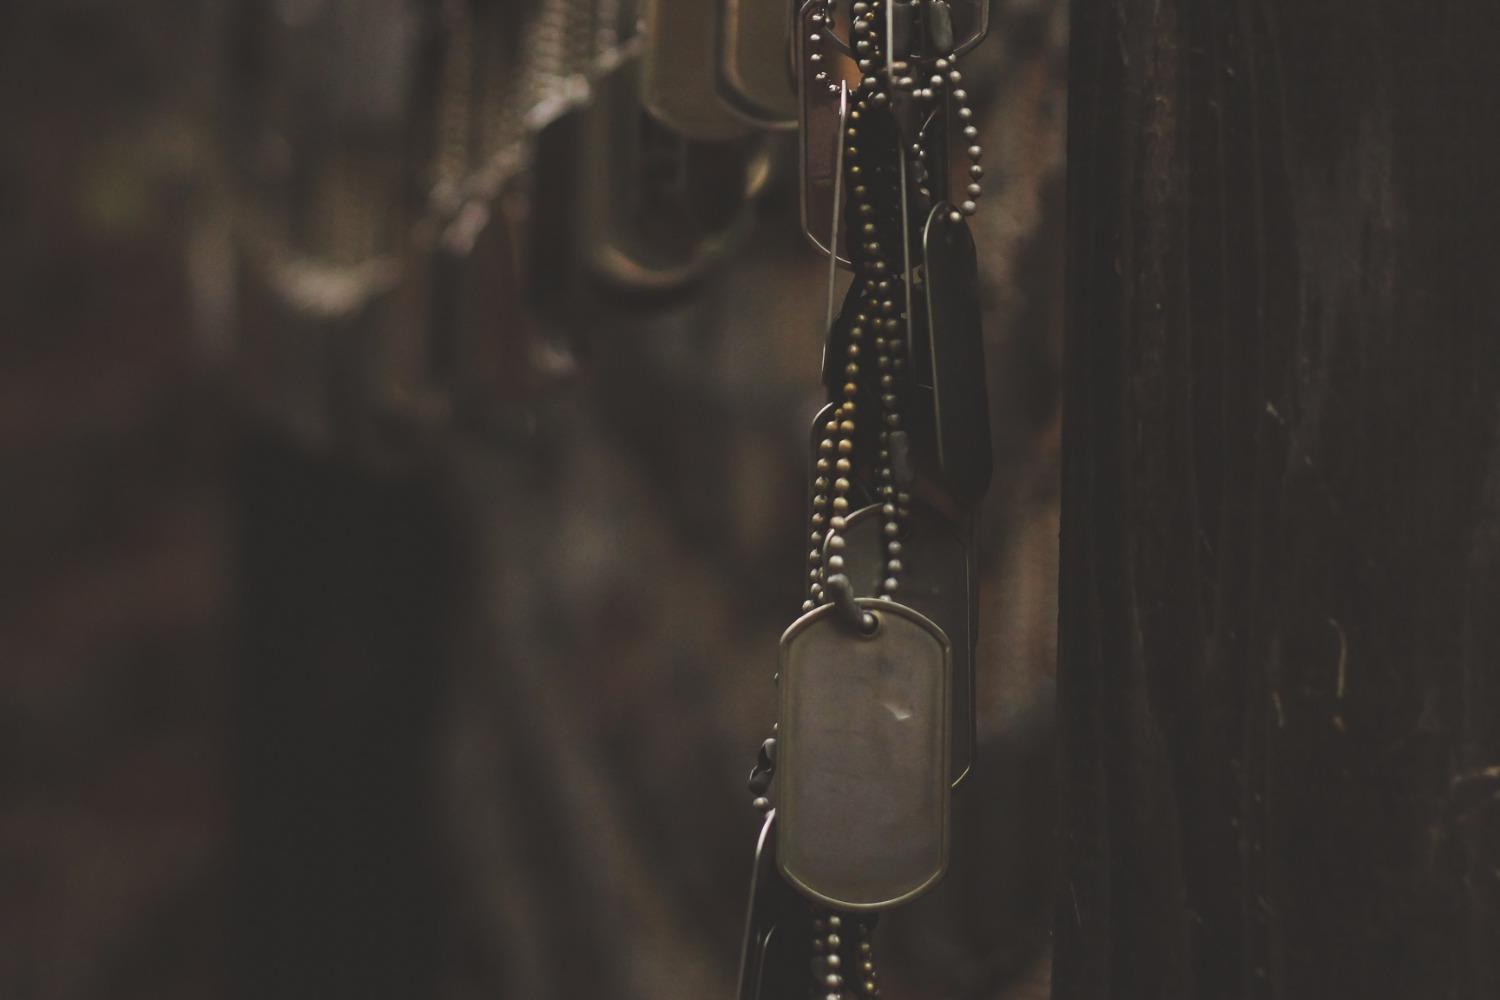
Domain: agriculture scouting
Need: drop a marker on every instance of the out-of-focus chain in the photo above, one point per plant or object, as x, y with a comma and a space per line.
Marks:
506, 75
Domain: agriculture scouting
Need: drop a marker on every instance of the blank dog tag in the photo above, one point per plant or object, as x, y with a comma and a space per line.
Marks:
679, 71
778, 929
755, 61
862, 776
961, 409
821, 132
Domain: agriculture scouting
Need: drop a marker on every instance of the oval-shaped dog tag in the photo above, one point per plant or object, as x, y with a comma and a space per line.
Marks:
862, 757
778, 930
679, 71
937, 582
961, 409
820, 133
755, 61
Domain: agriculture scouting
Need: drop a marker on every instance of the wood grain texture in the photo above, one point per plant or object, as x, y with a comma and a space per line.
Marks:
1278, 652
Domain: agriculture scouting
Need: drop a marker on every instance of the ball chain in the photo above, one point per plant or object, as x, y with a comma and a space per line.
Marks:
832, 966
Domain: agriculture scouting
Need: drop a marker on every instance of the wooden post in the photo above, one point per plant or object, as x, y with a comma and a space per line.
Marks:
1280, 583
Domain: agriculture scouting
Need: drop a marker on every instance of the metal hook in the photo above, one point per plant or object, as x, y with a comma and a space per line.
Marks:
842, 592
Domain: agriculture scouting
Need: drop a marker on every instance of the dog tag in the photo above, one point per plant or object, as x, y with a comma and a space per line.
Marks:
641, 200
937, 582
955, 348
778, 929
862, 782
755, 77
956, 26
679, 73
820, 130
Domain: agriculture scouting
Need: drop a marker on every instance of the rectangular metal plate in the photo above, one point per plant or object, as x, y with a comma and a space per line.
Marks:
754, 61
820, 132
961, 413
862, 775
678, 73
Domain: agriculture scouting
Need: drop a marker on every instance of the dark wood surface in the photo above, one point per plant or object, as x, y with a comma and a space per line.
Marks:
1280, 647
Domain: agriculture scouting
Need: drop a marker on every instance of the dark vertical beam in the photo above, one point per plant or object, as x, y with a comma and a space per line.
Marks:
1280, 646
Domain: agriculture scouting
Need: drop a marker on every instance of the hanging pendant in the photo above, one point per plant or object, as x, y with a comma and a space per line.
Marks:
772, 960
862, 782
955, 347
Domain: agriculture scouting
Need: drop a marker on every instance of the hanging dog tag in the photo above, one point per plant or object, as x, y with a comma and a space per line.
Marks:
754, 61
679, 72
777, 929
955, 347
821, 128
862, 782
937, 582
959, 25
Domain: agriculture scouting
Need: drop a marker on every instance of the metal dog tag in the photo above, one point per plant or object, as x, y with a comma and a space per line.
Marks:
778, 928
755, 77
937, 582
955, 347
862, 777
821, 130
679, 73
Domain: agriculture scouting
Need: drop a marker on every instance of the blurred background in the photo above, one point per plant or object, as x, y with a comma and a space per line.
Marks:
404, 444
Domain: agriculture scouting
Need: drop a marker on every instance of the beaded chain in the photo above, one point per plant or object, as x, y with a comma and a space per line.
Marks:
844, 968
